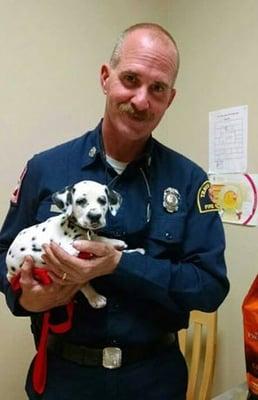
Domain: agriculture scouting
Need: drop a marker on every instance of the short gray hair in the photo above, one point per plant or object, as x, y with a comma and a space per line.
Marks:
156, 28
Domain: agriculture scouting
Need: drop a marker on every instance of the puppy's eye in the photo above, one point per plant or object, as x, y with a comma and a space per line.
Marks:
81, 202
102, 200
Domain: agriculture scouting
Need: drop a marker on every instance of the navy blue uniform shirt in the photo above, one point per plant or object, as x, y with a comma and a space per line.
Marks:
148, 295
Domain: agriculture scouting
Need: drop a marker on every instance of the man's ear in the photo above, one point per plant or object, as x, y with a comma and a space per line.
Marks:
104, 76
172, 96
114, 201
63, 200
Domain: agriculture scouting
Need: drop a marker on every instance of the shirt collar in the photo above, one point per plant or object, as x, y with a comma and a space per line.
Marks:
94, 149
93, 146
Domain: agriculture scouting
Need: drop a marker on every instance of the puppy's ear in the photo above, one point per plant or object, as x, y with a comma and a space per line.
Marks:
114, 201
63, 200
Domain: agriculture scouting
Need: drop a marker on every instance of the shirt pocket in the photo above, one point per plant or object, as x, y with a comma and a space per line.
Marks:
166, 235
45, 211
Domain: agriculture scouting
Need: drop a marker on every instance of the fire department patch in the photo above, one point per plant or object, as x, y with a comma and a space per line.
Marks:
205, 198
16, 192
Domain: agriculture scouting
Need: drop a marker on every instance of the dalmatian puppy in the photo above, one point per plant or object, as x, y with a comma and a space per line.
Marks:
84, 207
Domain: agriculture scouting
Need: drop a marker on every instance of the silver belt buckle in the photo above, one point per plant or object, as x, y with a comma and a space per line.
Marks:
112, 357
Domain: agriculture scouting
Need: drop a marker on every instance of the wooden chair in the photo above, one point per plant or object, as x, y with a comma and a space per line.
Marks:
198, 344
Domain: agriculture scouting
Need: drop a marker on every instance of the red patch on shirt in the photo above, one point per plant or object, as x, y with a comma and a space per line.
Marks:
16, 193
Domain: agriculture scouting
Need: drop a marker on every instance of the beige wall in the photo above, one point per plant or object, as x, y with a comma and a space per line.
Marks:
219, 58
50, 54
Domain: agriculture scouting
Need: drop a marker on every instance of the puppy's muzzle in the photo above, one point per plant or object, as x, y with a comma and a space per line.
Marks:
95, 219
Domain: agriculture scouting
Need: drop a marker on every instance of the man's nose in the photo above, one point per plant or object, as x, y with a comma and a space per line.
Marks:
141, 99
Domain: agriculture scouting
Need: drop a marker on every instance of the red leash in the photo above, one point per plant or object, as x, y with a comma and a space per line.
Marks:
39, 374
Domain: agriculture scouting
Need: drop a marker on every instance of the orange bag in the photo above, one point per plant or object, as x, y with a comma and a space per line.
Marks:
250, 320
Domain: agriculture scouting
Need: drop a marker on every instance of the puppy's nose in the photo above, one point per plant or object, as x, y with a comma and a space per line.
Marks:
93, 216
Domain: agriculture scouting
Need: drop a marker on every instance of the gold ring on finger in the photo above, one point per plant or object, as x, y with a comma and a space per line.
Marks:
64, 276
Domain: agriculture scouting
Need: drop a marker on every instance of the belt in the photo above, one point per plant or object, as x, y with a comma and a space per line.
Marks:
108, 357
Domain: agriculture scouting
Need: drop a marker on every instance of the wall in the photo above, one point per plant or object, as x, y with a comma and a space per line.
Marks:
50, 52
218, 43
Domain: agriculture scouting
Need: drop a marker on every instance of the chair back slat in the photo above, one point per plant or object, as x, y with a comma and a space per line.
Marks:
198, 344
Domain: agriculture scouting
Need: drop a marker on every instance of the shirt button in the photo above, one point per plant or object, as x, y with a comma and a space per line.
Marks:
114, 341
168, 235
92, 152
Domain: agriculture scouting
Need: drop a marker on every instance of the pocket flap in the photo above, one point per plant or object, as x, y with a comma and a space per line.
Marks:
168, 228
46, 210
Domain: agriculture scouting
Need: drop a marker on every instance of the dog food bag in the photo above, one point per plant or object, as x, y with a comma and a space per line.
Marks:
250, 321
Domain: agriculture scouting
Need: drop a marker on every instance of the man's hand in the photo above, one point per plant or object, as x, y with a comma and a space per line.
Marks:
104, 261
36, 297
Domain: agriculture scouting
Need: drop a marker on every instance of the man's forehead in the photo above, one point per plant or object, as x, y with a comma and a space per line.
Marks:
133, 59
145, 45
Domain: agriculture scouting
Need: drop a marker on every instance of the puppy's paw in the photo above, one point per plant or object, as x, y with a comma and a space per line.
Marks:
138, 250
98, 301
120, 244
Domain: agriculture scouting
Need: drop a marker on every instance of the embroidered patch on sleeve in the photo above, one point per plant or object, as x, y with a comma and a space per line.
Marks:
205, 198
16, 192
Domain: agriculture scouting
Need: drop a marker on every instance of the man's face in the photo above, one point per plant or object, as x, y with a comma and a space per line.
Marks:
139, 89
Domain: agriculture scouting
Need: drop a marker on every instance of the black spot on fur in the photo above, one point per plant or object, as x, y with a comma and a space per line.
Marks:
59, 203
113, 197
13, 269
43, 230
10, 252
22, 249
35, 248
69, 198
33, 238
72, 220
70, 224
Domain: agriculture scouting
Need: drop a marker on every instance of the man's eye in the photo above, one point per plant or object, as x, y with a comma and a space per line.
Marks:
129, 79
158, 88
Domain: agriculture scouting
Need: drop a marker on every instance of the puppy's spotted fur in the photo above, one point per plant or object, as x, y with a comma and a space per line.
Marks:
84, 207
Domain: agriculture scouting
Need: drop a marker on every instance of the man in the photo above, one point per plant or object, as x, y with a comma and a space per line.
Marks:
165, 209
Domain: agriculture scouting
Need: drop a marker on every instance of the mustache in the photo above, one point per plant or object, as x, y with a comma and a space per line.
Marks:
127, 108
